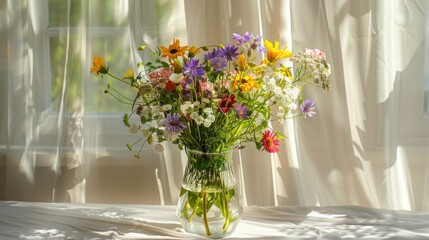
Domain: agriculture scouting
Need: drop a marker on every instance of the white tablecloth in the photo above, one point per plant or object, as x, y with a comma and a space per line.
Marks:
96, 221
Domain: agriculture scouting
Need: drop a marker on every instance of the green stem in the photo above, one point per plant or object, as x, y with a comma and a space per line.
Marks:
226, 210
206, 224
193, 211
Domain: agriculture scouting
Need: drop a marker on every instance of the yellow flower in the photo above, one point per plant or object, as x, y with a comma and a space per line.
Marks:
193, 51
274, 53
285, 71
98, 66
246, 83
129, 74
242, 62
174, 50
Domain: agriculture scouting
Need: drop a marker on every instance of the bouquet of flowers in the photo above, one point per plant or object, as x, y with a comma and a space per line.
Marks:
211, 99
214, 98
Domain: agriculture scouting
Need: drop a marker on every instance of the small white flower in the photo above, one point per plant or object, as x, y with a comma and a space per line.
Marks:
145, 133
293, 106
211, 117
134, 128
199, 120
172, 136
205, 100
186, 107
176, 77
157, 147
166, 107
196, 103
327, 71
207, 122
194, 115
155, 110
208, 111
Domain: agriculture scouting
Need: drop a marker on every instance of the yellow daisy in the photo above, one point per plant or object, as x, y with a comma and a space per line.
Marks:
246, 83
274, 53
129, 74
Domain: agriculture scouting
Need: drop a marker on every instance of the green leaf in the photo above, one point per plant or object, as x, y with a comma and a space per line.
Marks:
165, 64
258, 145
125, 119
280, 136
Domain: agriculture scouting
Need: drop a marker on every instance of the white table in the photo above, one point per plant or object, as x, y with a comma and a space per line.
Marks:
27, 220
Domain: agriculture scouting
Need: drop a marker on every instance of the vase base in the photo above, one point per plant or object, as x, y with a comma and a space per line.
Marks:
215, 228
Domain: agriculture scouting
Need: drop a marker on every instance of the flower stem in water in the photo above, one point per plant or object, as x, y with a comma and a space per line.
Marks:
206, 225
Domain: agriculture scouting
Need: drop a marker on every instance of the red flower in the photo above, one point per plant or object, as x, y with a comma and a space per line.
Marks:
169, 86
270, 142
227, 102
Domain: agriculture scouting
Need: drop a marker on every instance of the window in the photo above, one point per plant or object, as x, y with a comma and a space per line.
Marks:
96, 28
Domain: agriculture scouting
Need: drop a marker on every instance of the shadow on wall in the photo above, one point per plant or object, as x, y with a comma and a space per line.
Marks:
130, 180
103, 180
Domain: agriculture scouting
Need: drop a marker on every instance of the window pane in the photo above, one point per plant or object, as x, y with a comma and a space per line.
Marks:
58, 13
72, 97
116, 52
108, 13
91, 87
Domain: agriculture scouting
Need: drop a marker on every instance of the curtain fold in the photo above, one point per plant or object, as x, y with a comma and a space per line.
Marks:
367, 145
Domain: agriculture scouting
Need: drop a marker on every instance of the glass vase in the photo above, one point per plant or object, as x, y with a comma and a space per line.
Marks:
208, 204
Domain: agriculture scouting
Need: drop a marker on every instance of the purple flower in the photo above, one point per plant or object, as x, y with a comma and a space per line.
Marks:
257, 44
210, 55
238, 38
242, 111
242, 39
229, 52
186, 83
247, 36
173, 124
192, 69
218, 63
307, 108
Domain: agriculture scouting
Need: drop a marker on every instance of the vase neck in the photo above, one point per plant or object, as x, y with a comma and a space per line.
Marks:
209, 171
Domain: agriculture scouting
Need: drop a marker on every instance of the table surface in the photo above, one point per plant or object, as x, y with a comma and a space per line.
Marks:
29, 220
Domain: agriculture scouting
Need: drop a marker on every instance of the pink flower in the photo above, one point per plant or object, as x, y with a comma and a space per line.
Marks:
316, 53
270, 142
206, 86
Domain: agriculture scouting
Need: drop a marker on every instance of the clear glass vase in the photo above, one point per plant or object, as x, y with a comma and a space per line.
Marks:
209, 204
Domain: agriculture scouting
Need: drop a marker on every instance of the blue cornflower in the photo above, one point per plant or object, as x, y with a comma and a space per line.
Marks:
192, 69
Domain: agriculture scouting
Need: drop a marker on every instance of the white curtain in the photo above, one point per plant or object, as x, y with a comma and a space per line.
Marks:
367, 145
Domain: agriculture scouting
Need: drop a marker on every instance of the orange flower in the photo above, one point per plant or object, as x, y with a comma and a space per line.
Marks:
174, 50
274, 53
98, 66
